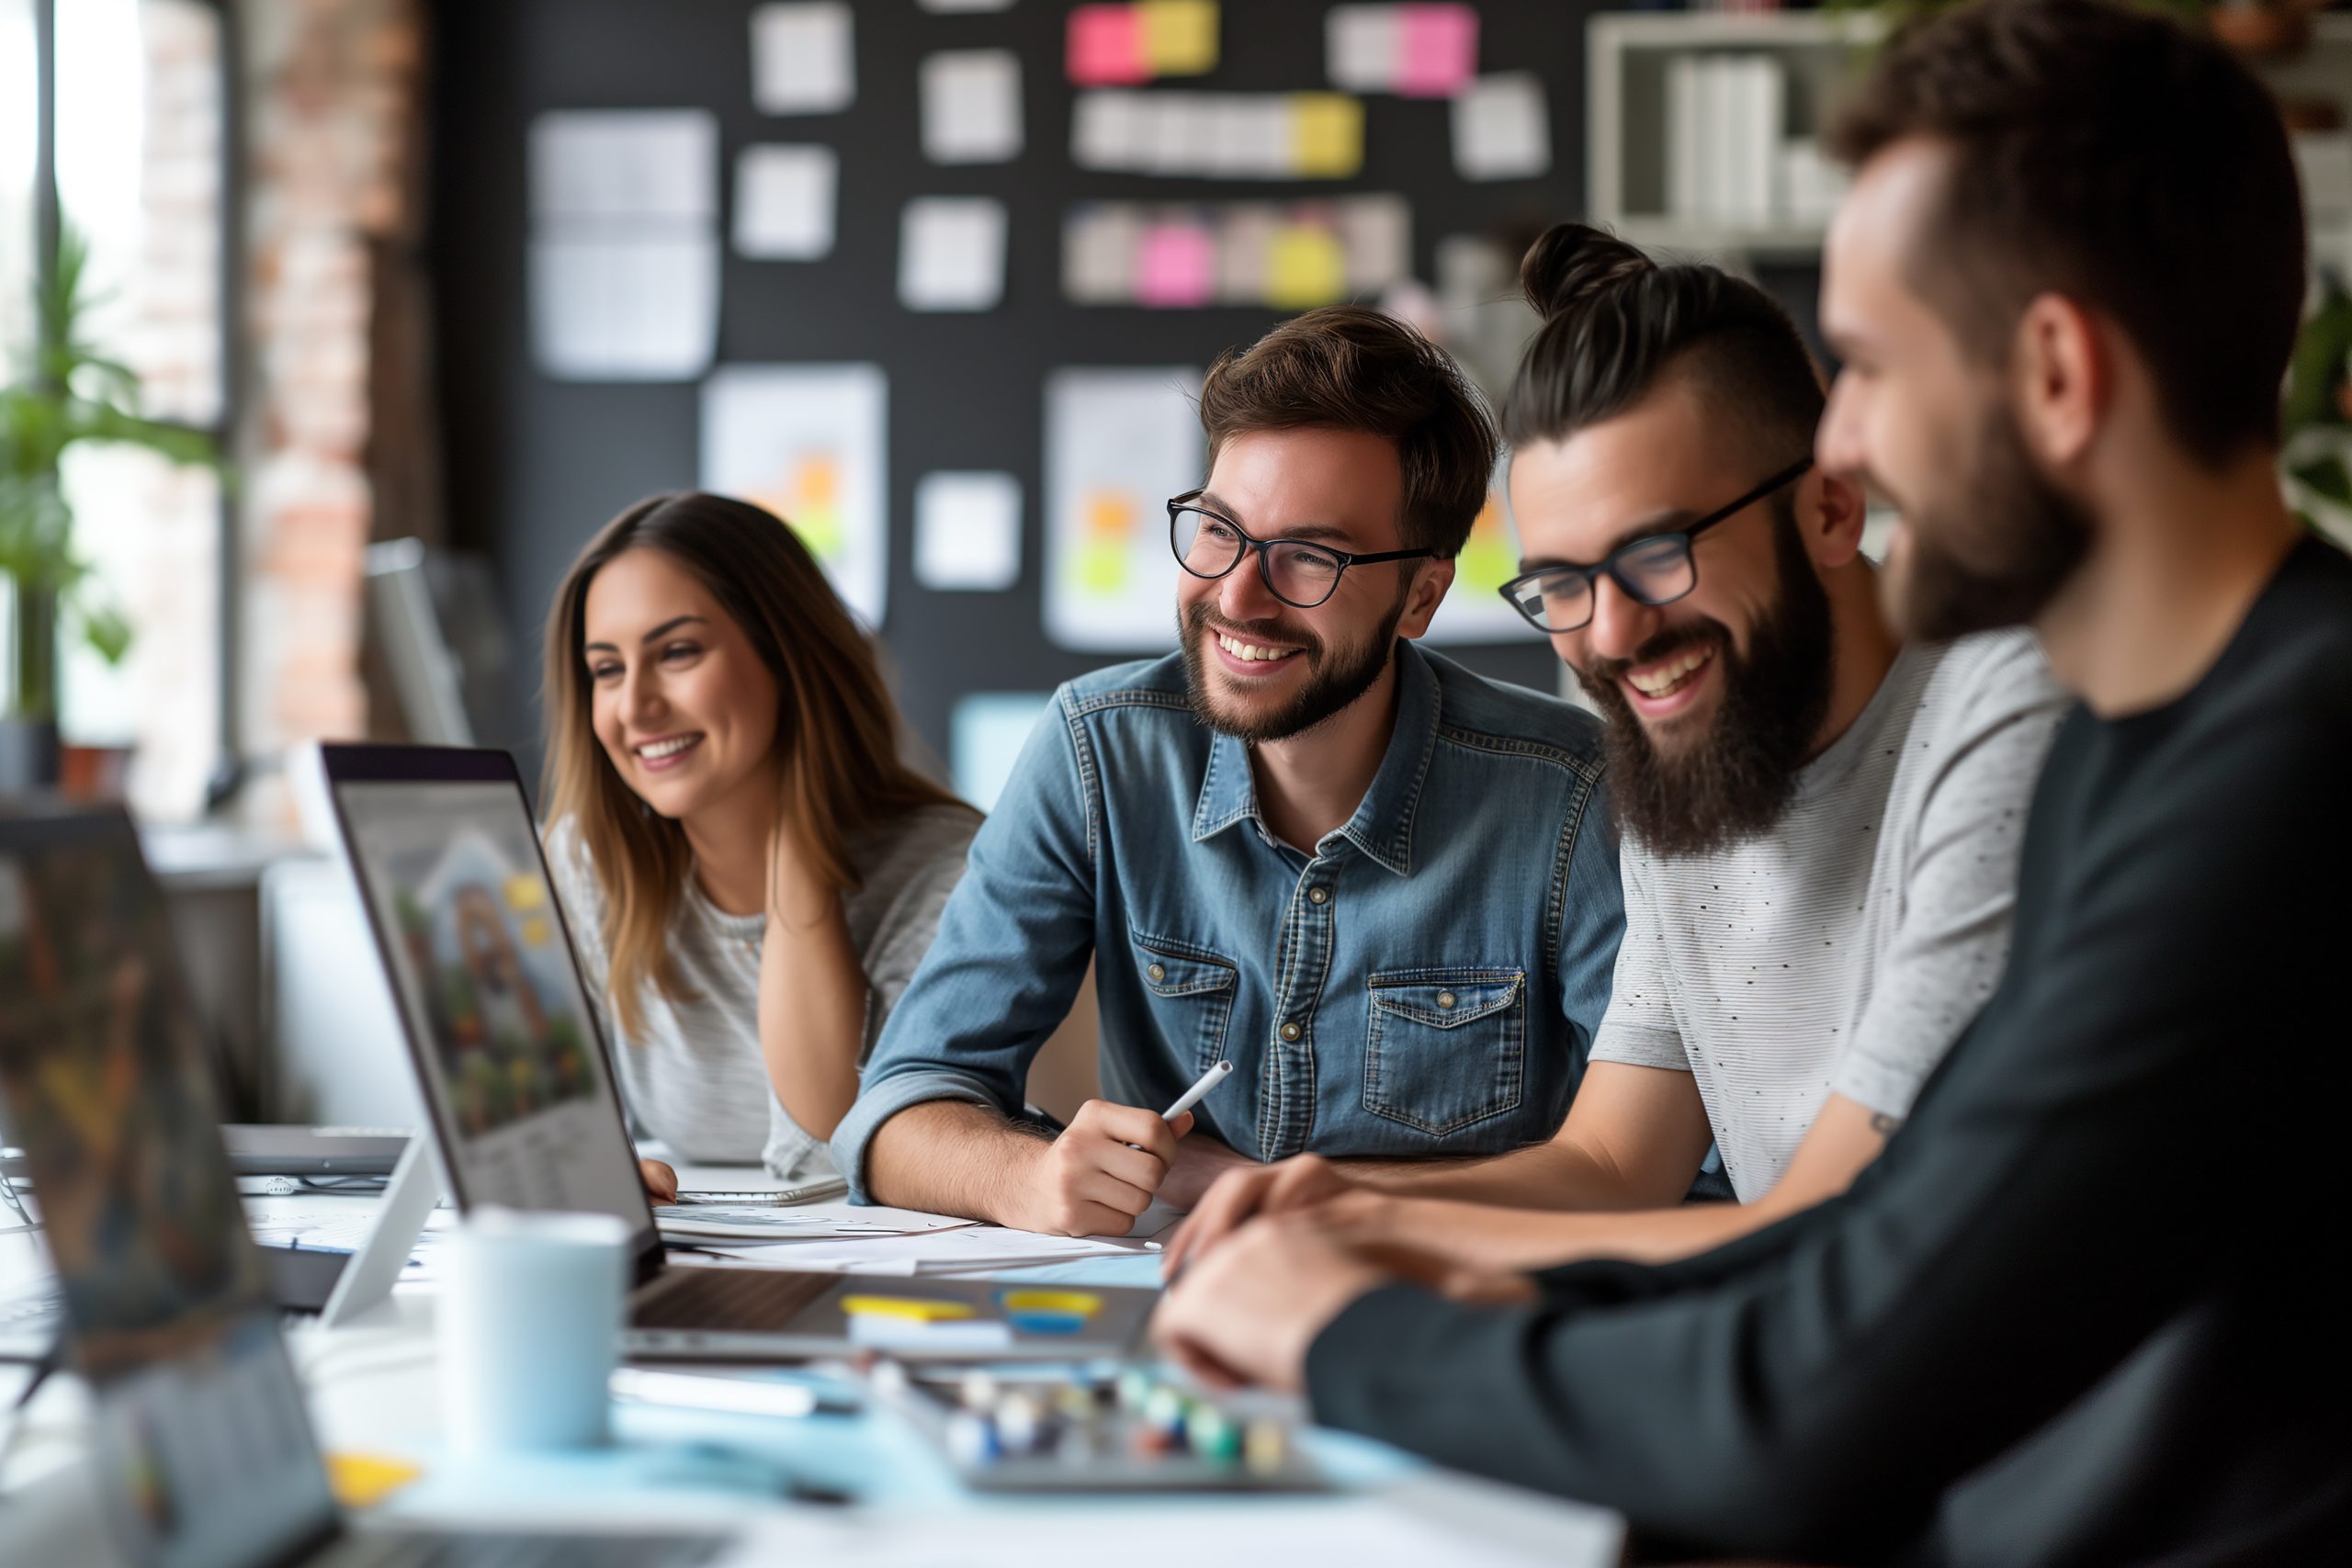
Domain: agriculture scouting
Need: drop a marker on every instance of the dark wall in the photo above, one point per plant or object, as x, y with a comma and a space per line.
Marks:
535, 466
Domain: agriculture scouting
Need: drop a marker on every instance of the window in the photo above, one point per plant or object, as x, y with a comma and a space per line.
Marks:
140, 166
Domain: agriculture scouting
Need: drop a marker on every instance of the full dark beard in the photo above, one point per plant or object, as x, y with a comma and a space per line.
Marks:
1335, 678
1735, 782
1996, 563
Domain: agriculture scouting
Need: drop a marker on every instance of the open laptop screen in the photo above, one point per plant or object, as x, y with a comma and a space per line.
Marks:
497, 1016
204, 1451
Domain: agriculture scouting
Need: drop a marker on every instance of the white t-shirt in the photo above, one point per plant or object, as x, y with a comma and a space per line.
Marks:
695, 1077
1846, 950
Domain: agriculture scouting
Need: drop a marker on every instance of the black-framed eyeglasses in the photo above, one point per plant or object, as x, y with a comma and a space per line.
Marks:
1302, 575
1657, 569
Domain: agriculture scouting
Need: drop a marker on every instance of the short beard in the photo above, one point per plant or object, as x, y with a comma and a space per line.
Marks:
1334, 679
1995, 561
1735, 782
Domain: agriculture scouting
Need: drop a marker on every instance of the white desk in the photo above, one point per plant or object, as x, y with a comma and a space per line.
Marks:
374, 1391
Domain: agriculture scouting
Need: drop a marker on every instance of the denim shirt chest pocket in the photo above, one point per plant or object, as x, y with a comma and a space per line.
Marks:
1193, 990
1445, 1048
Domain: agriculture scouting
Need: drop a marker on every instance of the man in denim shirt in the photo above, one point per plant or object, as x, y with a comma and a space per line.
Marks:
1384, 890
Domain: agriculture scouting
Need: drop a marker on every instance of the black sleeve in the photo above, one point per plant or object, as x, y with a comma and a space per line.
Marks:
2086, 1156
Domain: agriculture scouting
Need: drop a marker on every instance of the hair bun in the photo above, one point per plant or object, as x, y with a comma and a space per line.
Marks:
1574, 263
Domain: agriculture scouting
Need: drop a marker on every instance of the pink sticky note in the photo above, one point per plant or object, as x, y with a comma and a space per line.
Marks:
1176, 268
1437, 50
1106, 47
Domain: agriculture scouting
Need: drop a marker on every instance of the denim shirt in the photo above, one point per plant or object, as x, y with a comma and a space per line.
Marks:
1428, 982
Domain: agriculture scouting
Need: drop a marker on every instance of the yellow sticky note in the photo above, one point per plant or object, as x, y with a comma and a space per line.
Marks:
536, 932
1325, 135
361, 1481
524, 892
914, 1309
1487, 560
1304, 268
1078, 1303
1101, 567
1179, 36
820, 529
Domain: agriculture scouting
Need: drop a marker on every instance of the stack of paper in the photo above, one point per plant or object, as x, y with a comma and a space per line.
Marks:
1726, 116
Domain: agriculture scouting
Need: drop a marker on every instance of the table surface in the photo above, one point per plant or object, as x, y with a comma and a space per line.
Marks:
373, 1392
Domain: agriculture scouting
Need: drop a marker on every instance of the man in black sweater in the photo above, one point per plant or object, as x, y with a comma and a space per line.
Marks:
2077, 1311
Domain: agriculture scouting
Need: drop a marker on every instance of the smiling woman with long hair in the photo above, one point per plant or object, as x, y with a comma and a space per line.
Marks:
753, 872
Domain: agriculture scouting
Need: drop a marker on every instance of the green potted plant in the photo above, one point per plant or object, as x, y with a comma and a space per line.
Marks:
2315, 420
66, 391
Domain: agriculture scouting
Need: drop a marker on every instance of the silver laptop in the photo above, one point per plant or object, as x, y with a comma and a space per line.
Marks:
204, 1453
517, 1081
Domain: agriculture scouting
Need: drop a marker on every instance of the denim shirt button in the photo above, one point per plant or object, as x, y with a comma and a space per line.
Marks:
1318, 895
1291, 1033
1157, 971
1445, 998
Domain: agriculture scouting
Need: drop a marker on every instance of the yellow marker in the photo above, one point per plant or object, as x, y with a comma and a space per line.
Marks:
1304, 268
361, 1481
1179, 36
522, 892
1076, 1303
1325, 135
914, 1309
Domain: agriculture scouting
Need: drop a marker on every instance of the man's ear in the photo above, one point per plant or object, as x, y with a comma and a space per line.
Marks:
1421, 600
1831, 509
2061, 379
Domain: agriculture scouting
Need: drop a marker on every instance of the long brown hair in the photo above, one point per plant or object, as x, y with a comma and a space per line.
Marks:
836, 727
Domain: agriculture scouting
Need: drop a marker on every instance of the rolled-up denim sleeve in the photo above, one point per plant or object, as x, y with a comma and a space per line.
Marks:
1011, 953
1592, 922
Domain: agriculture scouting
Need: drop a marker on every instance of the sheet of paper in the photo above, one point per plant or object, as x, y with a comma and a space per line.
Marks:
1360, 47
1473, 610
951, 253
1502, 129
953, 6
1245, 245
1251, 137
976, 1251
808, 442
967, 531
985, 734
611, 308
971, 106
1107, 129
640, 168
784, 201
1414, 1522
1118, 444
830, 1221
803, 58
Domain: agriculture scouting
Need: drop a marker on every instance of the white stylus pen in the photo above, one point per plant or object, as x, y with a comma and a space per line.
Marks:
1201, 1087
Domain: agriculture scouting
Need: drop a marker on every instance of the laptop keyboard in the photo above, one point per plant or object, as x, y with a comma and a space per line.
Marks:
428, 1549
725, 1301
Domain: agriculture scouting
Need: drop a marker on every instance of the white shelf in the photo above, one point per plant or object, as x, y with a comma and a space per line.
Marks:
1626, 56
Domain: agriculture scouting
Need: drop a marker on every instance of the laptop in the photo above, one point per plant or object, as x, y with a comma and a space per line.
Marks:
514, 1073
204, 1455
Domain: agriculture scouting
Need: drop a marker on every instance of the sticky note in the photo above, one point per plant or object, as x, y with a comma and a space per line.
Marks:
1437, 50
785, 200
1105, 46
1176, 267
802, 59
1304, 266
951, 253
967, 531
1099, 247
1360, 44
1243, 248
971, 106
525, 891
362, 1481
1101, 567
1325, 135
1085, 1304
1179, 36
917, 1309
1377, 231
1502, 129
